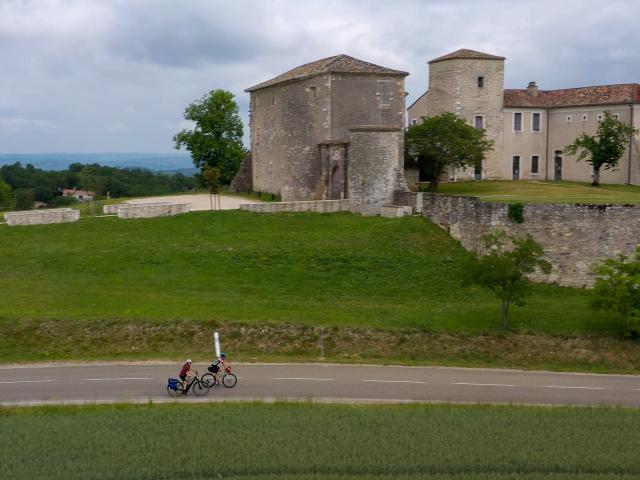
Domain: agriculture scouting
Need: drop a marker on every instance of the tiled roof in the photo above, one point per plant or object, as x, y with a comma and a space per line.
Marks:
336, 64
466, 54
574, 97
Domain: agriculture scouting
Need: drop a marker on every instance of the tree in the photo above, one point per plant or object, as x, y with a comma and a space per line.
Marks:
617, 288
216, 138
605, 148
210, 179
445, 141
503, 269
6, 196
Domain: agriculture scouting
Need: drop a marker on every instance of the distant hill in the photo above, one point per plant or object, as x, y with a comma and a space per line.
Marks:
160, 162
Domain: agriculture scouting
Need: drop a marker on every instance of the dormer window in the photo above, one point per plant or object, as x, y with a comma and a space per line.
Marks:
480, 82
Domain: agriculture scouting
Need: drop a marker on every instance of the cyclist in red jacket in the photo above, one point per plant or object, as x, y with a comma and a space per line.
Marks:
185, 372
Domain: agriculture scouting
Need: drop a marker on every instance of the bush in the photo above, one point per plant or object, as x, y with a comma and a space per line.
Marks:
516, 212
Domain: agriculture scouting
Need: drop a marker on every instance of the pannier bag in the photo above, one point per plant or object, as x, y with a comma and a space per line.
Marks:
213, 368
173, 383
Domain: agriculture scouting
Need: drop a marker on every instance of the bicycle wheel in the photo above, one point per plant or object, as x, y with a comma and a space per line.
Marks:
200, 389
229, 380
208, 380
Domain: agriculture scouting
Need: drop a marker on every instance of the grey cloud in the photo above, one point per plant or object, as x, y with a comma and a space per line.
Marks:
114, 75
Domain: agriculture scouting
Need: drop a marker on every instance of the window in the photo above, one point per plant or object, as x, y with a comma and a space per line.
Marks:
313, 91
273, 98
535, 161
480, 82
569, 118
384, 93
535, 122
517, 122
414, 121
584, 117
478, 122
616, 116
599, 117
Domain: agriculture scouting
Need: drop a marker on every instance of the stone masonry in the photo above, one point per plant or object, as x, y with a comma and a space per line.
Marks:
303, 142
574, 237
40, 217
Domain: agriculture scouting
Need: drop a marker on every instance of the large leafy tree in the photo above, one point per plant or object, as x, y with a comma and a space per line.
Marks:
6, 196
216, 138
617, 288
605, 148
503, 268
443, 142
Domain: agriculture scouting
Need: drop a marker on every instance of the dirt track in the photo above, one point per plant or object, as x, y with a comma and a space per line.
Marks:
198, 202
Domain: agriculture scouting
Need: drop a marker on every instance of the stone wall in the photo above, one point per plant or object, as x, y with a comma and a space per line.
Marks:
40, 217
318, 206
299, 128
410, 199
375, 167
110, 209
243, 180
574, 237
150, 210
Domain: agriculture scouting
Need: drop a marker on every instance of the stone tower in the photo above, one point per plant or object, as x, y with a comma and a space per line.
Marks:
471, 85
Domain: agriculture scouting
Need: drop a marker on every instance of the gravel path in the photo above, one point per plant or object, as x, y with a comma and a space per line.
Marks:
198, 202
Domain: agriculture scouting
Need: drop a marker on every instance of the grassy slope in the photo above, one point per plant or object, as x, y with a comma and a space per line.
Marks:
320, 442
235, 266
544, 192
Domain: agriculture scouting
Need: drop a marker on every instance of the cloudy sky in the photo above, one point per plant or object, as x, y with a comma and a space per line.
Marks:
115, 75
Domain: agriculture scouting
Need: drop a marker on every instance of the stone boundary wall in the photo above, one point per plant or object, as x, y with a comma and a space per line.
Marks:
574, 237
318, 206
395, 211
410, 199
110, 209
42, 217
150, 210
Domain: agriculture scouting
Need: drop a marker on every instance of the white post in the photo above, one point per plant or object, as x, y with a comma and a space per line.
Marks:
216, 340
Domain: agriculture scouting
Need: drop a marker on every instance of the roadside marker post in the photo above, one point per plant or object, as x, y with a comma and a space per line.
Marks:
216, 340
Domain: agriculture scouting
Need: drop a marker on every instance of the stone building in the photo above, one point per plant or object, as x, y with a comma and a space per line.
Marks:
329, 130
530, 127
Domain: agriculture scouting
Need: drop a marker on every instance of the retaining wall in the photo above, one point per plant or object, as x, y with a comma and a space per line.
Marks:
150, 210
319, 206
574, 237
40, 217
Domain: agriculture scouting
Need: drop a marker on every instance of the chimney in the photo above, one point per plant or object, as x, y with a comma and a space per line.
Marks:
532, 89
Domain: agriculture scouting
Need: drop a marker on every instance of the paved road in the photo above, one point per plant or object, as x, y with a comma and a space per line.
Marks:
34, 384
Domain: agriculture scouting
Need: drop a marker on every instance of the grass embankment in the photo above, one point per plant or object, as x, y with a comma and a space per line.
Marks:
304, 441
389, 288
544, 192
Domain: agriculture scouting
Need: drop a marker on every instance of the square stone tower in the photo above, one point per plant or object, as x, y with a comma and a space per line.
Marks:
302, 130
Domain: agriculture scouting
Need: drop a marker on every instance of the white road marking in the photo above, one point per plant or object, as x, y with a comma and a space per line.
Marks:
119, 378
30, 381
305, 378
391, 381
485, 384
583, 388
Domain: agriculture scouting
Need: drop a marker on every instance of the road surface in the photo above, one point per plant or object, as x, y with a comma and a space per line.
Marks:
141, 382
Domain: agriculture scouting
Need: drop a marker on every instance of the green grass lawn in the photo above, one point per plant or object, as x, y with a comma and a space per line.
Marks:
339, 269
305, 441
543, 192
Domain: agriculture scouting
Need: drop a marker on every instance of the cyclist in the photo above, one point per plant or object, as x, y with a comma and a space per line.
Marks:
217, 364
185, 372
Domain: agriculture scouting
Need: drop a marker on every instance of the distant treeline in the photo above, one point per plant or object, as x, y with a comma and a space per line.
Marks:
22, 185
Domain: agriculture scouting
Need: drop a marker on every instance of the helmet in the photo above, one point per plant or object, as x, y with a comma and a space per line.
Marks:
223, 354
189, 360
